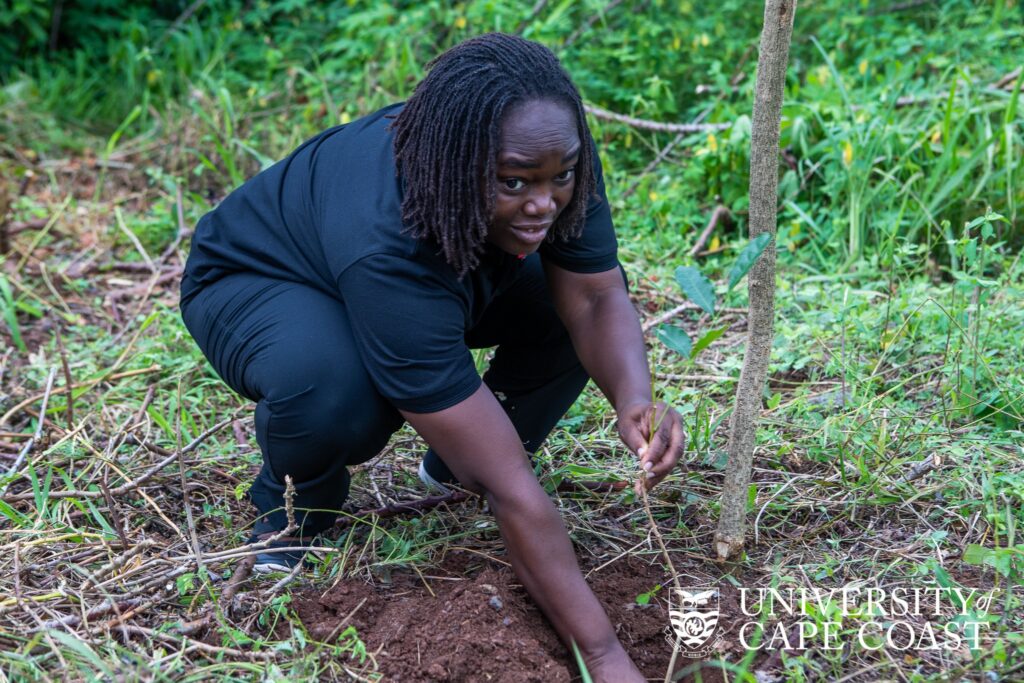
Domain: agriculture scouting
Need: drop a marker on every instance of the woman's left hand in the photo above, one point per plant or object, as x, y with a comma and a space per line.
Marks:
655, 433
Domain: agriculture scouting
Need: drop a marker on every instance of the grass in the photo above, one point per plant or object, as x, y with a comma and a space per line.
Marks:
890, 445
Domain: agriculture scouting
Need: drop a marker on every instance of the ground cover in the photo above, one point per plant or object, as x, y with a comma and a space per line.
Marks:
890, 448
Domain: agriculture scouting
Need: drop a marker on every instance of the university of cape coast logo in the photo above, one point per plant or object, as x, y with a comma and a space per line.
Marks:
693, 616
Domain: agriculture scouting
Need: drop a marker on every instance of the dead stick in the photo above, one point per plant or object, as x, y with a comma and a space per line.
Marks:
654, 163
81, 385
643, 124
34, 224
190, 644
35, 437
68, 383
104, 608
685, 306
186, 497
641, 478
142, 607
720, 212
114, 512
124, 488
242, 572
1007, 79
183, 230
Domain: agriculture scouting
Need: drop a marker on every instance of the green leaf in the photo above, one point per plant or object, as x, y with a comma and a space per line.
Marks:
696, 287
584, 674
7, 312
13, 515
675, 339
73, 643
745, 261
645, 598
706, 340
185, 583
976, 554
1003, 562
943, 578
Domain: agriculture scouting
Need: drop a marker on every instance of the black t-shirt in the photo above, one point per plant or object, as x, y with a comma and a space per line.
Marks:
329, 215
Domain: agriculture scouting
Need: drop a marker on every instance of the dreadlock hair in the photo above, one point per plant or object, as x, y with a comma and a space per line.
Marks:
448, 135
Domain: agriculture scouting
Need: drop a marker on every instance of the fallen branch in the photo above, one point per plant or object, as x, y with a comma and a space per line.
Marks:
124, 488
22, 226
185, 644
644, 124
184, 232
665, 555
30, 444
68, 381
161, 277
654, 163
1006, 81
720, 213
923, 467
102, 609
685, 306
80, 385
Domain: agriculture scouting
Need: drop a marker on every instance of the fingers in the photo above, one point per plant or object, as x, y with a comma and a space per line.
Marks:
661, 442
665, 449
655, 433
632, 435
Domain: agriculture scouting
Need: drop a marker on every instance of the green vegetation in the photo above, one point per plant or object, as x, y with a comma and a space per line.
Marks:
891, 442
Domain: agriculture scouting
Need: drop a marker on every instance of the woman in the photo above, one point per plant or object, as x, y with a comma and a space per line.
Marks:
342, 289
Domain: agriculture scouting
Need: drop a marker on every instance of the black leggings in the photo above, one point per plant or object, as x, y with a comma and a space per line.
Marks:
289, 347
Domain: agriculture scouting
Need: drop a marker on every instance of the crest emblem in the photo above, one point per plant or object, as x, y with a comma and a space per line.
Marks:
694, 620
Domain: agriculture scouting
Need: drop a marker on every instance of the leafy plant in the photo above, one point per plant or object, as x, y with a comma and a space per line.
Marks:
701, 292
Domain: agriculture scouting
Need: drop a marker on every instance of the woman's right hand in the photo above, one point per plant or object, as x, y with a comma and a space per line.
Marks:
480, 446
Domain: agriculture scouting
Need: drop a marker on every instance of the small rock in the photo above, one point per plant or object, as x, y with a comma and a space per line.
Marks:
488, 588
495, 602
506, 621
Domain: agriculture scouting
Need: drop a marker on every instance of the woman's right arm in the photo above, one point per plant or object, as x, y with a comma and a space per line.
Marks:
481, 447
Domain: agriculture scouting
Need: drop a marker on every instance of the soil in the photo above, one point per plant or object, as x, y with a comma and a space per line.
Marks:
472, 621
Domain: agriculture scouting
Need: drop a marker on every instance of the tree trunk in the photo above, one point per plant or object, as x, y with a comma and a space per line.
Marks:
764, 181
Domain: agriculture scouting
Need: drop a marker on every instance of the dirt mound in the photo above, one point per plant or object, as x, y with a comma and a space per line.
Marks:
471, 621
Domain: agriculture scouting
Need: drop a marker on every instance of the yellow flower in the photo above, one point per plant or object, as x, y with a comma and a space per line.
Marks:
847, 154
653, 196
715, 243
712, 142
936, 135
345, 117
863, 67
460, 23
704, 40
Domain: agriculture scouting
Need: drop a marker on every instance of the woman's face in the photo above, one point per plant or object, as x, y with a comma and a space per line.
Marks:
536, 174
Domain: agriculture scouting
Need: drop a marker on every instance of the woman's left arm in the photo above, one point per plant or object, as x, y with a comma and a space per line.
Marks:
606, 334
